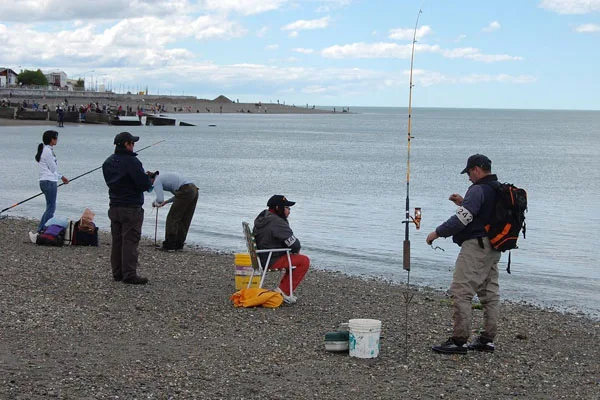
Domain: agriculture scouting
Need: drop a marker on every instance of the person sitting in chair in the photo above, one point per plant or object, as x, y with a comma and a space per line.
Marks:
272, 231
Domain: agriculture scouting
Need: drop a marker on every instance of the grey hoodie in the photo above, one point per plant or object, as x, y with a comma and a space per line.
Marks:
273, 232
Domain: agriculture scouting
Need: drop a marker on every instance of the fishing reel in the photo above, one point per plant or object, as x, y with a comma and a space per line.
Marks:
417, 218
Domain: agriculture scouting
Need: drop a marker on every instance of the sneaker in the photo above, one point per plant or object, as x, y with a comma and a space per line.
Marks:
450, 347
166, 249
33, 237
286, 299
136, 280
482, 344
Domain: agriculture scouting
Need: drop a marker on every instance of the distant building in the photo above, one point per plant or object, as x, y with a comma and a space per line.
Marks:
56, 78
72, 84
8, 77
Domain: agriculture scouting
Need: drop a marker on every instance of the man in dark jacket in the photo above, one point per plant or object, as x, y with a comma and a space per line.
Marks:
272, 231
127, 181
476, 268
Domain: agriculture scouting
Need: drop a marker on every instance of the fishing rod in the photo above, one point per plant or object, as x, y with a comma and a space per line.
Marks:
71, 180
408, 219
156, 226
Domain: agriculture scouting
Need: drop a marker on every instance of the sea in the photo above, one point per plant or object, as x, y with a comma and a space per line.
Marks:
347, 173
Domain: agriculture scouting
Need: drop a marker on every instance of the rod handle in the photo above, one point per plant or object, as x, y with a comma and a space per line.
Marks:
406, 255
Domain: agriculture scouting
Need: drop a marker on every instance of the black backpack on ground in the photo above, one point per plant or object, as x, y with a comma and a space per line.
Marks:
52, 235
509, 217
84, 236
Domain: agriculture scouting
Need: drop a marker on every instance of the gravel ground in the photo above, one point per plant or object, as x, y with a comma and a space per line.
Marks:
68, 331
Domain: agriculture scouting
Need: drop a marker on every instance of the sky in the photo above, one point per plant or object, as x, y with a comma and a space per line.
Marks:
533, 54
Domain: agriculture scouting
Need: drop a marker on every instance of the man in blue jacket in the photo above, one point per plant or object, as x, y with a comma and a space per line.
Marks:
476, 268
127, 181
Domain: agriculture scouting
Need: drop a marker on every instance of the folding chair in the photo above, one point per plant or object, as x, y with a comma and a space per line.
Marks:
257, 267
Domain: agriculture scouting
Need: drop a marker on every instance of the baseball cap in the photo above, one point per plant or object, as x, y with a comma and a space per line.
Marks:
279, 200
125, 137
477, 160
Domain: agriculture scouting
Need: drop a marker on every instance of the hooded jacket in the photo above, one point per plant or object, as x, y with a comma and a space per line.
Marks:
476, 210
126, 179
273, 232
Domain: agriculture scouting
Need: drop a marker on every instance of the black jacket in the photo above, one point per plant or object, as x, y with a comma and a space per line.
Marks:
273, 232
125, 177
476, 211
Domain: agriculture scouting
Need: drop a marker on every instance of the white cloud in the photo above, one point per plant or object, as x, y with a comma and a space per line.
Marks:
375, 50
407, 33
587, 28
314, 89
330, 5
393, 50
61, 10
460, 38
302, 24
143, 42
303, 50
571, 6
272, 47
431, 78
493, 26
245, 7
262, 32
476, 55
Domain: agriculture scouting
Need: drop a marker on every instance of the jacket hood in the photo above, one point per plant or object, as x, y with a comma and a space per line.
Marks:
265, 217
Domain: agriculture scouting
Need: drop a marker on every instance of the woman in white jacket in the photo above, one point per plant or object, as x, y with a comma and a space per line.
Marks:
49, 174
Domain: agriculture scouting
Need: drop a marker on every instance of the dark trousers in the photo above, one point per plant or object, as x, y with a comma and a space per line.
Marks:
180, 216
126, 230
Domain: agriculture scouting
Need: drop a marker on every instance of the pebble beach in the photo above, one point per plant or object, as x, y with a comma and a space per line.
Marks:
68, 331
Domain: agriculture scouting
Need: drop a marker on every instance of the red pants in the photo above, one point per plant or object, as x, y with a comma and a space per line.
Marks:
301, 262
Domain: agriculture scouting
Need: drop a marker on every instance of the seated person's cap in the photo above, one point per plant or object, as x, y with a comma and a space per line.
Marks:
279, 200
125, 137
477, 160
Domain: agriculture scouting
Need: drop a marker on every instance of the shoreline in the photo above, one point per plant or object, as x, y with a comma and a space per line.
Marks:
69, 331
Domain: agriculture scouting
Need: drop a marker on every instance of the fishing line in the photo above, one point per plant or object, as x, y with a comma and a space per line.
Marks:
71, 180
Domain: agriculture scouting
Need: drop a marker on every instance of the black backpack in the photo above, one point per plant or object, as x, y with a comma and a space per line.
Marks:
509, 217
85, 237
52, 235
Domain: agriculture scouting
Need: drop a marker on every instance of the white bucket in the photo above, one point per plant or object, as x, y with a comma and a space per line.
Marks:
364, 337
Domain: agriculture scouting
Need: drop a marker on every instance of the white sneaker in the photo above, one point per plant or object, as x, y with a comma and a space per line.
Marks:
33, 237
286, 299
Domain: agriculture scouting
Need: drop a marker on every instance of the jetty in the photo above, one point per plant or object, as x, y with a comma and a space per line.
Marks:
102, 107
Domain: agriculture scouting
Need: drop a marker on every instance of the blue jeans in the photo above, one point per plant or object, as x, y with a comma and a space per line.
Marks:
49, 188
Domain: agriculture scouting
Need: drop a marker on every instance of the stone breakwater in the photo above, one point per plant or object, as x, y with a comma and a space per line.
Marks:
170, 104
68, 331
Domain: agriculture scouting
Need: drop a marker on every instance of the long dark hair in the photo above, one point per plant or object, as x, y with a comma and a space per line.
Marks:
46, 138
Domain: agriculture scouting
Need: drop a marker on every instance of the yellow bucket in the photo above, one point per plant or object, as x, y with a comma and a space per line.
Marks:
243, 270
